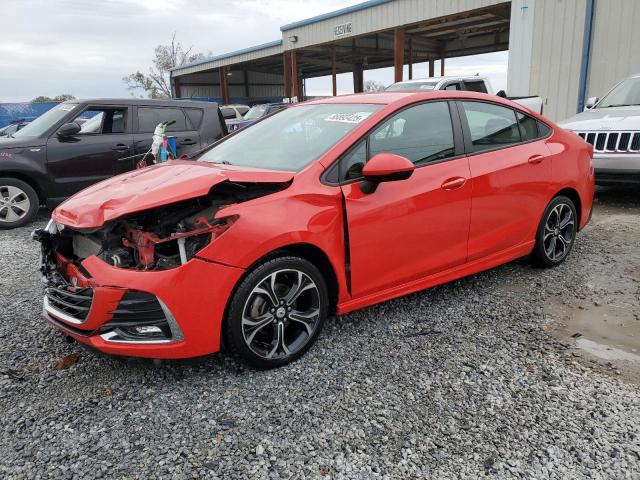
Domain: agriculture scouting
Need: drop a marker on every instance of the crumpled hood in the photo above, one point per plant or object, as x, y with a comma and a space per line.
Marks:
615, 118
152, 187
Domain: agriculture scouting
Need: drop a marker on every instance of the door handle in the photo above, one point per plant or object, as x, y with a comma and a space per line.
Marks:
121, 147
535, 159
453, 183
187, 141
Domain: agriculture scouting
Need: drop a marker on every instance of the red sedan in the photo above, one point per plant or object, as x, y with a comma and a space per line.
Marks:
326, 207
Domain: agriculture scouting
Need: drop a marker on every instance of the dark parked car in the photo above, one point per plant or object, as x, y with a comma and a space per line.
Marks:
13, 127
79, 143
255, 113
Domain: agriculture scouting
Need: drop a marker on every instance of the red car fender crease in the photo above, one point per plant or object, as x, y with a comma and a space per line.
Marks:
452, 217
151, 187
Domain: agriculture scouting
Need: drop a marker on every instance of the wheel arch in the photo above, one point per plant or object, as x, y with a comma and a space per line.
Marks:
574, 196
28, 180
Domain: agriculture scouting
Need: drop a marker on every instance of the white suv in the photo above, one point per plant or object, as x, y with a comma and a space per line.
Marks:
612, 126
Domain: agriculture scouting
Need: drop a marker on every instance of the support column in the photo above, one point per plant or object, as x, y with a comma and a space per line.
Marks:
286, 61
334, 81
224, 85
358, 79
294, 74
442, 64
410, 60
176, 88
432, 68
245, 74
398, 53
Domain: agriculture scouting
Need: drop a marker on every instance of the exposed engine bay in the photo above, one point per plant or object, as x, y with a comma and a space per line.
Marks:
156, 239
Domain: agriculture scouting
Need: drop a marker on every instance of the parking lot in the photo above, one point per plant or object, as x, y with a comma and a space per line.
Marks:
511, 372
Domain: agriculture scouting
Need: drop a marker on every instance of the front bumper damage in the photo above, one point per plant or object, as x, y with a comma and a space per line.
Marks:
174, 313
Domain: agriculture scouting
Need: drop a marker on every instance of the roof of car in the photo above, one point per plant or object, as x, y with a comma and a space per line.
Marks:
409, 97
387, 97
439, 79
143, 102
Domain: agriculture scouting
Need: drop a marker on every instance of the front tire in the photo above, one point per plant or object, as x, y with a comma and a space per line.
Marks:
277, 312
556, 233
19, 203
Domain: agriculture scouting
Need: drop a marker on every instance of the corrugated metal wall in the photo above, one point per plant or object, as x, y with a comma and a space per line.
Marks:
615, 52
381, 17
556, 54
261, 85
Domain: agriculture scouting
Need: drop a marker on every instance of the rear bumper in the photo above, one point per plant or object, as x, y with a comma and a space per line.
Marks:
193, 298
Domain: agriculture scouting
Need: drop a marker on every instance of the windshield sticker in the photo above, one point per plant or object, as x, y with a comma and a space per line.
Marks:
348, 117
66, 108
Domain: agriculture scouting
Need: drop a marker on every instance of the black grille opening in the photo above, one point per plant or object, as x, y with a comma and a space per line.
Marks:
136, 310
635, 143
624, 141
612, 141
600, 141
582, 135
591, 138
76, 303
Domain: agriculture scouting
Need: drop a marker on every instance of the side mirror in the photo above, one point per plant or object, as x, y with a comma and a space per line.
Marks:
385, 167
591, 101
69, 129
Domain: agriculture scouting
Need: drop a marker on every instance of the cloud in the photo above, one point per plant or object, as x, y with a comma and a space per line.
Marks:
85, 47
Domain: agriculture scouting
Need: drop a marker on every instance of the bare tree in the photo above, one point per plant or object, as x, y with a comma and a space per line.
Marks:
373, 86
156, 82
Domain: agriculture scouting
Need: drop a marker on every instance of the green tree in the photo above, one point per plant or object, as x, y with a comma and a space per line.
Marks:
155, 83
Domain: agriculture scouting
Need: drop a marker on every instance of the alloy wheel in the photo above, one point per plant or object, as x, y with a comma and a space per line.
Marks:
559, 232
281, 314
14, 204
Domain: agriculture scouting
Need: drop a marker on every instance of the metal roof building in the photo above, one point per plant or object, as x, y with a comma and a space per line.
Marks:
559, 49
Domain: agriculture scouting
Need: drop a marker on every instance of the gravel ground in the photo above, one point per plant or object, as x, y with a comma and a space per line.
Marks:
461, 381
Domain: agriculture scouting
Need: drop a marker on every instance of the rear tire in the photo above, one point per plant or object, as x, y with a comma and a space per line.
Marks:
277, 312
19, 203
556, 233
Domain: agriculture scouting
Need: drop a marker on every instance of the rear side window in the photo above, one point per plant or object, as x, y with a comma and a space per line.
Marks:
491, 126
476, 86
544, 129
149, 117
195, 117
452, 86
242, 110
528, 127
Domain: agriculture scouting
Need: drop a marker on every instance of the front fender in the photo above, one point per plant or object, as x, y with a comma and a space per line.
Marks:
265, 226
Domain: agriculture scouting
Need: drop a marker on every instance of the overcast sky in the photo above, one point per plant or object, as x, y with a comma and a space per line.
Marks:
85, 47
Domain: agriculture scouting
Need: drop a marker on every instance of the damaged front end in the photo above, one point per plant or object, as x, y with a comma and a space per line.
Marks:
160, 238
157, 239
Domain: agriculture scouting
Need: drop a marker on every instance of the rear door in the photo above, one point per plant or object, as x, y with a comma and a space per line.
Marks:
411, 228
99, 151
511, 175
148, 117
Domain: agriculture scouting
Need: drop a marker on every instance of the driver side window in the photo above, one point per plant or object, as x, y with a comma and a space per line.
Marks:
97, 121
422, 134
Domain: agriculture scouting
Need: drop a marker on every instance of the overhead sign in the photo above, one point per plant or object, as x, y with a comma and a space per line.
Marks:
343, 29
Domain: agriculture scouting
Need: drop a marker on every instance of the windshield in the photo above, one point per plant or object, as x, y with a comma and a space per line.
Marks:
398, 87
255, 112
292, 139
624, 94
45, 121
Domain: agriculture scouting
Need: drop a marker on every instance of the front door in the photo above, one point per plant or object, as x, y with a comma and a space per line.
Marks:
410, 228
511, 174
92, 155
